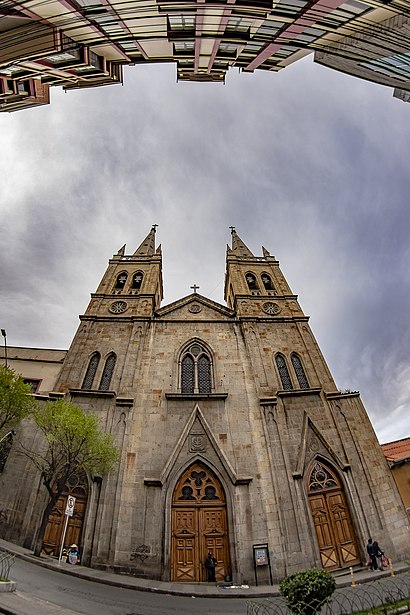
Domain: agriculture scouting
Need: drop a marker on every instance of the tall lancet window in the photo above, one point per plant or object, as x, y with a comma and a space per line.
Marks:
204, 374
267, 282
283, 372
187, 374
299, 371
251, 281
91, 371
108, 372
196, 370
121, 280
137, 280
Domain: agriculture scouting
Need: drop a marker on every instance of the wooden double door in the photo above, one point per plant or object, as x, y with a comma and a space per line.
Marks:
199, 526
331, 517
78, 487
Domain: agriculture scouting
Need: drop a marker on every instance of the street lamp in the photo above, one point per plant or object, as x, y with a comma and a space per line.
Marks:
4, 334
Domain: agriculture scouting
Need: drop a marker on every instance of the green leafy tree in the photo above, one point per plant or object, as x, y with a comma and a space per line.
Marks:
15, 400
73, 442
307, 591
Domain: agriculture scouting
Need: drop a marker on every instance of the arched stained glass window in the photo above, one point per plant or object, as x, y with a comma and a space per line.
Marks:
187, 374
204, 374
108, 372
196, 370
91, 371
137, 280
251, 281
321, 478
299, 371
121, 280
283, 372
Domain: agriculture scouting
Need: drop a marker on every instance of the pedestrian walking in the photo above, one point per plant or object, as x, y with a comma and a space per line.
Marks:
371, 563
378, 555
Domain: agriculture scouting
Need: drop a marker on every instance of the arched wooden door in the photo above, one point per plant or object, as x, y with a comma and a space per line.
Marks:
331, 517
77, 486
199, 525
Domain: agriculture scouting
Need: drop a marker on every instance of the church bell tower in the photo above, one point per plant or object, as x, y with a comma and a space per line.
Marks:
132, 284
255, 285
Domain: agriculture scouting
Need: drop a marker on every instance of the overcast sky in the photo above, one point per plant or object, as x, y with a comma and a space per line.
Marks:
310, 163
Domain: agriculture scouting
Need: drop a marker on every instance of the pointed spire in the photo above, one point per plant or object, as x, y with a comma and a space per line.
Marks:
239, 248
121, 251
147, 248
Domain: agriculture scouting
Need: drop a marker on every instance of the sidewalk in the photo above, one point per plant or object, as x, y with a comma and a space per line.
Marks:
19, 603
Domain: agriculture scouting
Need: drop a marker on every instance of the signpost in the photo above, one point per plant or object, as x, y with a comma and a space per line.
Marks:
69, 509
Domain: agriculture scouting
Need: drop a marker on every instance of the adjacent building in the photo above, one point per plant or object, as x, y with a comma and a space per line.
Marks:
86, 43
397, 454
234, 437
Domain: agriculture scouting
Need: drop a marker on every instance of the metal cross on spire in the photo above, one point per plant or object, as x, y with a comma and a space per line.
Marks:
195, 288
154, 227
232, 229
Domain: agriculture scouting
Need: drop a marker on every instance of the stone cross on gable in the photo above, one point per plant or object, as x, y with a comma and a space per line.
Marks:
195, 288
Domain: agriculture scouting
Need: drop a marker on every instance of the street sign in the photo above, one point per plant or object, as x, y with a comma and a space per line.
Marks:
69, 509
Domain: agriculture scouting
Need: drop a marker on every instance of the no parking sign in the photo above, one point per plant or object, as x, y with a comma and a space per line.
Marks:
69, 509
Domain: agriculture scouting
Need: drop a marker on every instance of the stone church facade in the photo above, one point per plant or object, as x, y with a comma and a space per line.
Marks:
232, 434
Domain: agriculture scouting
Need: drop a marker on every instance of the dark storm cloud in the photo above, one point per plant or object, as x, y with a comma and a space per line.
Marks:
309, 163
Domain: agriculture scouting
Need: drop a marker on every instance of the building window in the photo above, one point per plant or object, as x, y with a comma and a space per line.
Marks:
299, 371
91, 370
251, 281
196, 371
34, 384
204, 374
187, 374
121, 280
182, 22
107, 373
267, 282
321, 478
283, 372
137, 280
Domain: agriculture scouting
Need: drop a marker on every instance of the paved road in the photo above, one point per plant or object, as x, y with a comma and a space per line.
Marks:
89, 598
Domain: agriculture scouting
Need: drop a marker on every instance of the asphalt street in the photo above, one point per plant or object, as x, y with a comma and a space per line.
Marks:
90, 598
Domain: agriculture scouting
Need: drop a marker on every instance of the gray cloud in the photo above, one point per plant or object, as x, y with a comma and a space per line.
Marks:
309, 163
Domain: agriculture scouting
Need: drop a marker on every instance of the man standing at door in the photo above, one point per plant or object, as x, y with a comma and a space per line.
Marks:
210, 564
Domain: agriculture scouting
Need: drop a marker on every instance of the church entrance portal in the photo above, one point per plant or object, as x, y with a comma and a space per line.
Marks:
199, 525
77, 486
334, 529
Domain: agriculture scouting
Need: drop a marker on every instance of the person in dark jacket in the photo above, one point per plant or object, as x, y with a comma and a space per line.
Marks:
210, 564
378, 555
371, 562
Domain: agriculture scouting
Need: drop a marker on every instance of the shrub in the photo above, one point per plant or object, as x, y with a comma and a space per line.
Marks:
307, 591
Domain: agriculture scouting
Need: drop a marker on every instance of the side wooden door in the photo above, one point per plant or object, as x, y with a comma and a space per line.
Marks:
77, 486
331, 517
